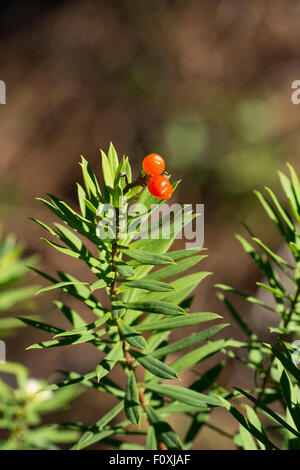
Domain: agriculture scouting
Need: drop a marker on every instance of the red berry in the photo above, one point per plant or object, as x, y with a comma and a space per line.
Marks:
153, 164
160, 187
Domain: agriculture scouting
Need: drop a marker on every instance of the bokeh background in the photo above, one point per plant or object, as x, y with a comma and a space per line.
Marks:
205, 84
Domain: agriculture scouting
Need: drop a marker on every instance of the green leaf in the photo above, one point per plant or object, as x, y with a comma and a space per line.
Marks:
73, 317
168, 271
247, 440
254, 420
98, 285
188, 341
287, 363
40, 325
90, 437
184, 395
74, 242
107, 171
90, 180
248, 425
180, 254
117, 308
274, 291
147, 257
177, 407
63, 249
276, 258
162, 308
182, 288
177, 322
106, 385
45, 227
288, 189
197, 355
76, 379
156, 367
85, 329
295, 182
81, 196
284, 214
132, 402
113, 159
149, 284
59, 285
109, 361
151, 443
270, 412
272, 213
124, 270
249, 298
131, 336
163, 430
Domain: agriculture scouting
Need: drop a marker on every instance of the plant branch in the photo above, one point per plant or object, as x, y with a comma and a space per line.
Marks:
285, 325
129, 361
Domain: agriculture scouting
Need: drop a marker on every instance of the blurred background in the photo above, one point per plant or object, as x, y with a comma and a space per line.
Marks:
205, 84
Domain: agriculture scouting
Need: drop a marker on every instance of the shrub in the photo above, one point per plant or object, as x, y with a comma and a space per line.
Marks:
121, 333
275, 366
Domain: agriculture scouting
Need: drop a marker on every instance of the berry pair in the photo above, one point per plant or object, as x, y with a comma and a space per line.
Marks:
158, 185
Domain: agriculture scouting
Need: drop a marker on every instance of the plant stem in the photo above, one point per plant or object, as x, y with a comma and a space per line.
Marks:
129, 361
140, 181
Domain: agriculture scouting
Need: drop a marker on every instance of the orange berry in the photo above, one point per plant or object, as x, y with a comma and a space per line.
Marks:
160, 187
153, 164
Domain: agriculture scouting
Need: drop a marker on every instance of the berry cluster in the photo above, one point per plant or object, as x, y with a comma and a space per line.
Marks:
158, 185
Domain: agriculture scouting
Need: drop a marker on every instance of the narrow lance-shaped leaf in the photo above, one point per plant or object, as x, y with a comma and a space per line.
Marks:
90, 180
182, 394
270, 412
188, 341
132, 402
248, 425
124, 270
163, 430
89, 437
246, 439
156, 367
113, 159
151, 285
60, 285
272, 213
182, 288
132, 337
197, 355
109, 361
107, 172
288, 189
151, 443
85, 329
147, 257
178, 268
163, 308
177, 322
41, 325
